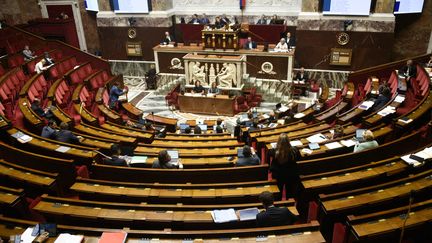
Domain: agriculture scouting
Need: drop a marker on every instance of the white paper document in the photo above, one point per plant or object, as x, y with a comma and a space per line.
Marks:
68, 238
366, 105
296, 143
62, 149
138, 159
299, 115
399, 99
283, 108
410, 161
306, 151
26, 237
224, 215
333, 145
348, 143
317, 138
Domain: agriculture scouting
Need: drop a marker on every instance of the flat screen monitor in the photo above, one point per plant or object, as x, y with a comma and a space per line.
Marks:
359, 134
183, 127
203, 127
91, 5
131, 6
240, 153
346, 7
408, 6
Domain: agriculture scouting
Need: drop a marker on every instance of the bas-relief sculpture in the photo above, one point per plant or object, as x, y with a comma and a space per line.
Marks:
225, 74
230, 5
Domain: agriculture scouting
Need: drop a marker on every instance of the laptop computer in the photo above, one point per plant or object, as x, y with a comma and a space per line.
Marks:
359, 135
248, 123
174, 154
203, 127
183, 127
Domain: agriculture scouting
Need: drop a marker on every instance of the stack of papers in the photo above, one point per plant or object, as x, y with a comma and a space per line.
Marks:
348, 143
27, 237
410, 161
399, 99
68, 238
62, 149
333, 145
21, 137
306, 151
366, 105
405, 120
283, 108
299, 115
248, 214
266, 116
224, 215
317, 138
296, 143
388, 110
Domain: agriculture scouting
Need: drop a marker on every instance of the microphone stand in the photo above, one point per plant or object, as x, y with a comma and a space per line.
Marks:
411, 199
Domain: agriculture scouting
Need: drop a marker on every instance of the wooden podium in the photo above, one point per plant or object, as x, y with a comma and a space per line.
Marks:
220, 39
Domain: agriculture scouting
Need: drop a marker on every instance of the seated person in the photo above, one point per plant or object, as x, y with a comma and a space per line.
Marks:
28, 54
48, 59
250, 44
115, 159
382, 99
40, 66
272, 117
187, 130
164, 161
262, 20
204, 19
167, 39
148, 127
249, 157
219, 129
408, 71
368, 143
338, 132
197, 129
281, 46
49, 130
198, 88
225, 20
213, 89
273, 216
302, 75
218, 23
194, 19
36, 107
66, 136
274, 19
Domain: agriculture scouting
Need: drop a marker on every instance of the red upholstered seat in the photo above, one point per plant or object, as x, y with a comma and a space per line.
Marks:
240, 104
339, 233
2, 70
313, 211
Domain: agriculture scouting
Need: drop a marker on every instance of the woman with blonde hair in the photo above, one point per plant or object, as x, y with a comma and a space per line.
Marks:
284, 165
368, 142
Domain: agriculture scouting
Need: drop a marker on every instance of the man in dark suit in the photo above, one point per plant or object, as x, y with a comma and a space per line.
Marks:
167, 38
262, 20
204, 19
194, 19
66, 136
409, 70
115, 160
273, 216
290, 40
249, 157
250, 44
37, 108
302, 75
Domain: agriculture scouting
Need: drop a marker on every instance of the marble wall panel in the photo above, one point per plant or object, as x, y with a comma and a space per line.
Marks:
19, 11
310, 6
384, 6
90, 28
161, 5
362, 25
113, 20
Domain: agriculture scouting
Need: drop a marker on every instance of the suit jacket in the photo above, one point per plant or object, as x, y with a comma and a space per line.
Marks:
262, 21
48, 132
291, 42
115, 160
167, 41
205, 21
274, 216
410, 70
299, 76
38, 110
254, 160
380, 102
246, 45
66, 136
168, 165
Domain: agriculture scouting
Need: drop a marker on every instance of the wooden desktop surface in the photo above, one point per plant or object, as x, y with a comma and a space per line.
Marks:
218, 105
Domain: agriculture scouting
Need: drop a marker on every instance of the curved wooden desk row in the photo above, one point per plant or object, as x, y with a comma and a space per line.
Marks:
117, 215
190, 152
386, 225
12, 201
293, 233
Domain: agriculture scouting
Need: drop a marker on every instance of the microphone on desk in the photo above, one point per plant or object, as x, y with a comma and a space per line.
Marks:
411, 199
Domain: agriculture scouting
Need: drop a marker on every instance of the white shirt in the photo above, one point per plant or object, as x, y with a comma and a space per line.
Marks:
281, 46
39, 67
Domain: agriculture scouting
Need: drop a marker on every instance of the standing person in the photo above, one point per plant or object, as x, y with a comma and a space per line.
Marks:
284, 165
27, 53
273, 216
249, 157
290, 40
114, 94
369, 142
115, 157
151, 77
164, 161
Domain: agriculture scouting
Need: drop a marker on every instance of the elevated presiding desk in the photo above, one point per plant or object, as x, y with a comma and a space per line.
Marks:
206, 104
